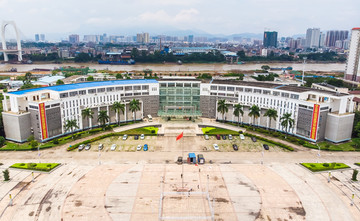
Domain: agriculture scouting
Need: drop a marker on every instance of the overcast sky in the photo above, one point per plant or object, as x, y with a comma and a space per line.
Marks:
288, 17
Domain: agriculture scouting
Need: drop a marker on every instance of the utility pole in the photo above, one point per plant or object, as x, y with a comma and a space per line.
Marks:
302, 80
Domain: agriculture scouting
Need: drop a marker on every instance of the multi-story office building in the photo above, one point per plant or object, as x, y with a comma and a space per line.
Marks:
191, 38
312, 38
37, 37
143, 38
333, 36
42, 37
352, 71
74, 39
270, 39
43, 112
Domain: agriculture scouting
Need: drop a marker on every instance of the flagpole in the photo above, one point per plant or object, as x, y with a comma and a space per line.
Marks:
182, 165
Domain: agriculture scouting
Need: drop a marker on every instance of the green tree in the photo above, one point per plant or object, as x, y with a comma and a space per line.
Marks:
222, 108
103, 118
254, 113
265, 67
117, 107
2, 141
71, 125
118, 76
134, 106
238, 110
59, 82
90, 78
287, 122
6, 175
87, 113
27, 78
34, 144
271, 114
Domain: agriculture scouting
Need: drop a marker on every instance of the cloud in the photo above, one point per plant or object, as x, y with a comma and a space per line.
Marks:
161, 17
98, 20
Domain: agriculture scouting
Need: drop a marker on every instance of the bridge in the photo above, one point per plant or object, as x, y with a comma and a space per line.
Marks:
6, 51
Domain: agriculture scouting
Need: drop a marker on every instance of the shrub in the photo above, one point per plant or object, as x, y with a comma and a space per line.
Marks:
325, 164
332, 165
22, 164
152, 131
6, 175
312, 165
49, 165
31, 165
301, 142
354, 175
2, 140
55, 141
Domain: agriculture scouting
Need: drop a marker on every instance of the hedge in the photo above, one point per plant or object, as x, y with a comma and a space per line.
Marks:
35, 166
270, 141
317, 167
357, 164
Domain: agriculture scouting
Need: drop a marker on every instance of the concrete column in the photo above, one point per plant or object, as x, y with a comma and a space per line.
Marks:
351, 106
343, 103
125, 113
107, 109
142, 110
5, 106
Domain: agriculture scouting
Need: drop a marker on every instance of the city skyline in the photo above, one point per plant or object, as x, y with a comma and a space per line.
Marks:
58, 20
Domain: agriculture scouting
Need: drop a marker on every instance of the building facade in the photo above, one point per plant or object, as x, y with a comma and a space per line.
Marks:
270, 39
43, 112
334, 35
352, 71
312, 38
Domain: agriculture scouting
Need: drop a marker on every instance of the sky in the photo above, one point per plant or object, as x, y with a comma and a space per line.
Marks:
59, 18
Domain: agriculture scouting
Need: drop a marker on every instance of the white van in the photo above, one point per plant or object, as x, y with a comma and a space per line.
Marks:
150, 118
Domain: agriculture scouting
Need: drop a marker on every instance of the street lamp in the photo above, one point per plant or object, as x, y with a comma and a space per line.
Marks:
318, 151
302, 80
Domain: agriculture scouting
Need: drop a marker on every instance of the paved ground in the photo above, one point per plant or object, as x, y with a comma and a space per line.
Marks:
128, 184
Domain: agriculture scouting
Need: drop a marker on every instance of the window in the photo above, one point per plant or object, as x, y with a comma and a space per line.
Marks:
92, 91
73, 93
171, 84
179, 85
294, 96
284, 94
213, 93
101, 90
276, 93
128, 88
195, 85
163, 85
33, 107
222, 88
154, 89
257, 91
248, 90
82, 92
187, 85
128, 94
55, 105
119, 88
239, 89
137, 87
213, 88
110, 89
230, 88
138, 93
145, 93
145, 87
266, 92
63, 95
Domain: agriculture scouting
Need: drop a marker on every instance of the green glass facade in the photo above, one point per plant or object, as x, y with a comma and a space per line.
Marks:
179, 99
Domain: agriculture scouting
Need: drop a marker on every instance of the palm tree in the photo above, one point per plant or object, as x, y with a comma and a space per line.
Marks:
271, 114
70, 124
238, 110
222, 108
117, 107
103, 118
87, 113
254, 112
134, 106
287, 122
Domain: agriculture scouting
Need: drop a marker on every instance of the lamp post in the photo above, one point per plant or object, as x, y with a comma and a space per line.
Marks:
302, 80
318, 152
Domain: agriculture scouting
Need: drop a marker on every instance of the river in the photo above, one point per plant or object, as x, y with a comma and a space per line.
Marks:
331, 67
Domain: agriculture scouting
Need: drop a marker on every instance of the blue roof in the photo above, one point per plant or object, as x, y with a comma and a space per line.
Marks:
192, 155
67, 87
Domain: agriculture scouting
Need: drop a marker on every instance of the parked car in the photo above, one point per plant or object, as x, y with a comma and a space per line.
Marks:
136, 137
179, 160
145, 147
88, 146
101, 146
216, 147
253, 139
138, 147
235, 147
217, 136
242, 137
142, 136
201, 159
230, 137
125, 136
81, 147
206, 137
113, 147
224, 137
266, 147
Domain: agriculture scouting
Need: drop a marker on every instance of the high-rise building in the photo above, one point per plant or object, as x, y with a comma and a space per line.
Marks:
74, 39
37, 38
352, 71
334, 35
322, 40
270, 39
42, 37
191, 38
312, 38
142, 38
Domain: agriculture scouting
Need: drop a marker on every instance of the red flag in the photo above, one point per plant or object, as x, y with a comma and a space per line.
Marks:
180, 136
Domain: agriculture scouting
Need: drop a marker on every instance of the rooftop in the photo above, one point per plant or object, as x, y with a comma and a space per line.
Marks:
68, 87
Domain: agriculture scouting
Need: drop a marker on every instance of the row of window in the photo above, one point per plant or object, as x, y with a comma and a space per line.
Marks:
101, 90
172, 84
255, 91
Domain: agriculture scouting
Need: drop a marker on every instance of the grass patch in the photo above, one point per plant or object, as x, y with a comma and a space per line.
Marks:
142, 130
357, 164
316, 167
220, 131
47, 167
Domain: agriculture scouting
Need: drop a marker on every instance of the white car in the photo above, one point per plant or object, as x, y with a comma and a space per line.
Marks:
113, 147
206, 137
139, 147
142, 136
216, 147
242, 137
230, 137
101, 146
125, 136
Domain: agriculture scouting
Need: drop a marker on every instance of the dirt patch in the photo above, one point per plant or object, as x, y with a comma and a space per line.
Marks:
255, 214
31, 213
221, 200
78, 203
216, 178
298, 210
